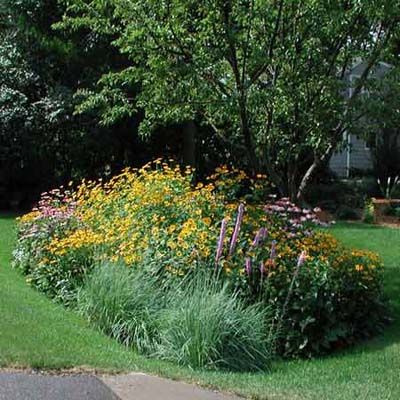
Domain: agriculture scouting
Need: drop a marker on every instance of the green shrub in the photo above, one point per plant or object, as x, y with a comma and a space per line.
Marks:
392, 210
334, 303
346, 213
207, 325
396, 192
53, 218
334, 193
369, 212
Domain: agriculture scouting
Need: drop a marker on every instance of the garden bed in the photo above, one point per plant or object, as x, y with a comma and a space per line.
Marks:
128, 253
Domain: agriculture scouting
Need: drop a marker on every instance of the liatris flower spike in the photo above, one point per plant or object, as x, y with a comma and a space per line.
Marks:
264, 233
262, 269
236, 231
220, 245
257, 239
260, 237
273, 250
248, 266
302, 258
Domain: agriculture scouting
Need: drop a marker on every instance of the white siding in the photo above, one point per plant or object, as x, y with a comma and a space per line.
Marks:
355, 156
337, 163
359, 156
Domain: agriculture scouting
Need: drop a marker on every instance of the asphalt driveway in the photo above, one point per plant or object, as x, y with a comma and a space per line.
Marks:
133, 386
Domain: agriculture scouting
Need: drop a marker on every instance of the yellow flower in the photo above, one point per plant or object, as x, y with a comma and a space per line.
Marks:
207, 220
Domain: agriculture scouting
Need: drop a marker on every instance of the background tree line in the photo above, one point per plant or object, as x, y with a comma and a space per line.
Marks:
89, 86
43, 142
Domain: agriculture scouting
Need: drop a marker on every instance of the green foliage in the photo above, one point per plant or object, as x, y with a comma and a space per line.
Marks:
346, 213
61, 281
380, 127
332, 194
35, 127
268, 77
388, 187
392, 210
369, 212
396, 192
42, 143
332, 305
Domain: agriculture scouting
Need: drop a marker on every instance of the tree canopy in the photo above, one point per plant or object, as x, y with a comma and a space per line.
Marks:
262, 84
42, 142
268, 76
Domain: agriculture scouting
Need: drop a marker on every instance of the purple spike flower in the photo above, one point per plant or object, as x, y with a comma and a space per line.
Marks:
273, 250
257, 238
264, 233
220, 245
236, 231
301, 259
260, 236
248, 266
262, 269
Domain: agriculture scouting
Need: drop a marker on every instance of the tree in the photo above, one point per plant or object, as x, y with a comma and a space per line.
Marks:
266, 75
42, 142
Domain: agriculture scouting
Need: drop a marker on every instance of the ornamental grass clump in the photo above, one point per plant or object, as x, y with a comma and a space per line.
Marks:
123, 304
206, 324
197, 321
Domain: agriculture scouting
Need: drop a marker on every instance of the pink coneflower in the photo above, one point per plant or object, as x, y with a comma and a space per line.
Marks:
220, 245
236, 231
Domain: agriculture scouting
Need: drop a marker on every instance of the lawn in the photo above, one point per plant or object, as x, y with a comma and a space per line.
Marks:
35, 332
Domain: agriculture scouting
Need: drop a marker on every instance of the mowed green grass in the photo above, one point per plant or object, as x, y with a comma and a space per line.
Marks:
35, 332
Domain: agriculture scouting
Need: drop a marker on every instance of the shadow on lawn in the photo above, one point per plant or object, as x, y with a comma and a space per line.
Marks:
9, 215
358, 225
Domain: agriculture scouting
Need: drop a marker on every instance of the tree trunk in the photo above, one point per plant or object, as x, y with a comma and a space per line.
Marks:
189, 143
253, 160
305, 181
292, 179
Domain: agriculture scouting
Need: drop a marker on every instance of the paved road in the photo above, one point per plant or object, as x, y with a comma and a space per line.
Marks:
23, 386
134, 386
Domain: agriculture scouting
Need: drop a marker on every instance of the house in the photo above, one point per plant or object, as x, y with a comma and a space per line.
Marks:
355, 153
